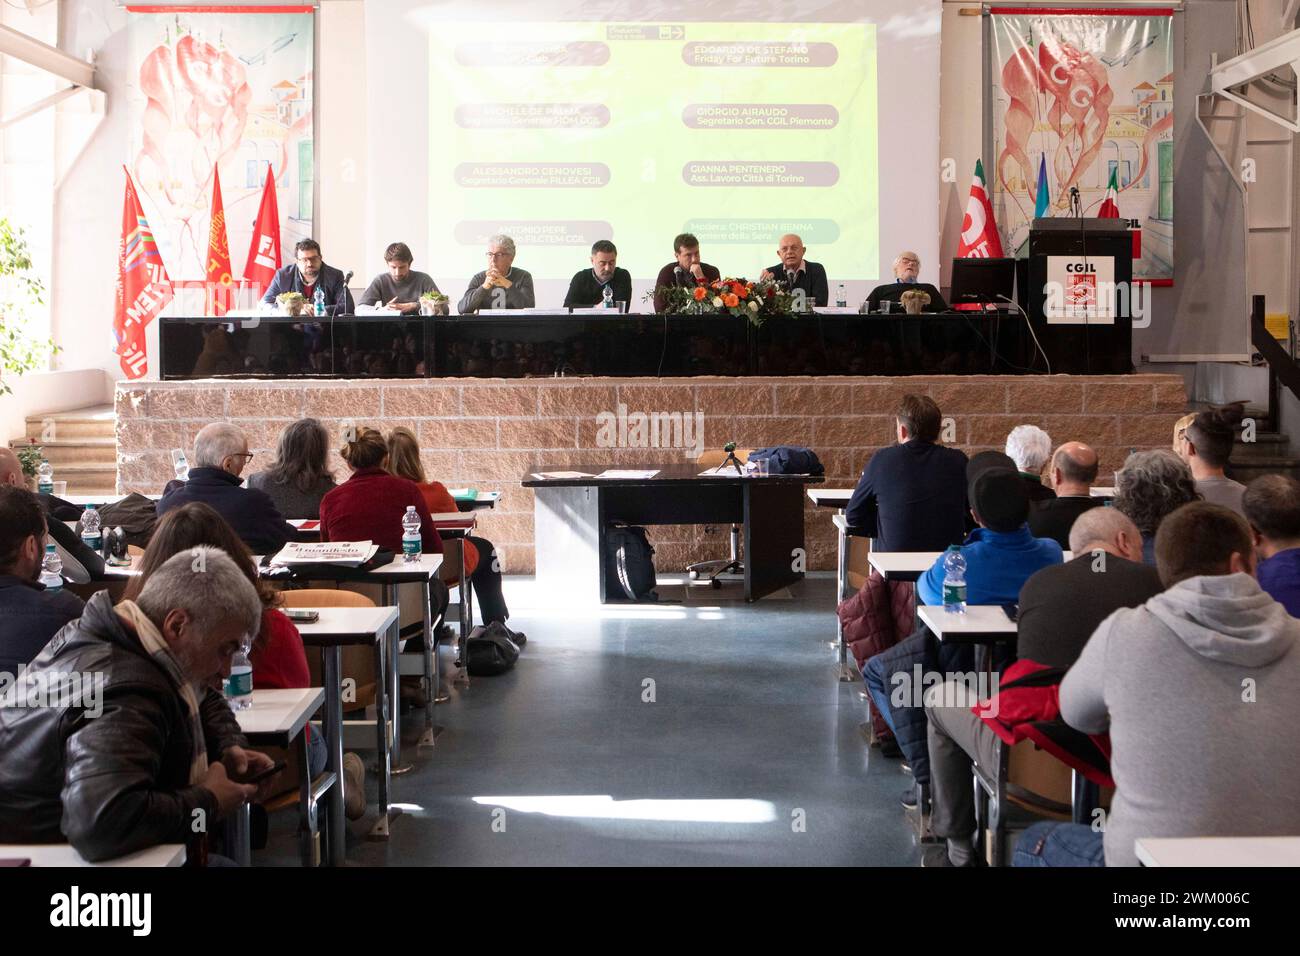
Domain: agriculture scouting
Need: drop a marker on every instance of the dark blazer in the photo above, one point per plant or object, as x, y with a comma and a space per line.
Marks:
329, 280
29, 617
668, 276
812, 279
912, 497
893, 291
585, 291
250, 512
117, 782
1054, 517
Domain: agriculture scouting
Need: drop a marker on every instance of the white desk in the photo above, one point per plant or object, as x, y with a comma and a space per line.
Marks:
1102, 491
1218, 851
339, 626
62, 854
982, 623
830, 497
910, 565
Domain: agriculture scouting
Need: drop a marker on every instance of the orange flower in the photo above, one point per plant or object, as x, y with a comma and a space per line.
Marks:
699, 293
731, 300
738, 288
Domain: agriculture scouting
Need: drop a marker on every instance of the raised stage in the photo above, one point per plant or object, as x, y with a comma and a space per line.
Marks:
486, 433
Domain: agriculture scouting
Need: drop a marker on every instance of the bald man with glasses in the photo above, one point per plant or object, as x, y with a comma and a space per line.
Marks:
907, 267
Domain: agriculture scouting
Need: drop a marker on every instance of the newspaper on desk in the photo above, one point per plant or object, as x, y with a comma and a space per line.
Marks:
560, 475
346, 554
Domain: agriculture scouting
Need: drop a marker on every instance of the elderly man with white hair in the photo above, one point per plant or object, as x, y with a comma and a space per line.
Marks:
1060, 607
131, 745
500, 285
907, 267
1030, 447
220, 456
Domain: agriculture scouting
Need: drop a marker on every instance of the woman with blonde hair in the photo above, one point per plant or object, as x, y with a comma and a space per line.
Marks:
480, 556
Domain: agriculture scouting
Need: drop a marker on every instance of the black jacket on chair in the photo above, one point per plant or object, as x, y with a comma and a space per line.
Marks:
117, 782
250, 512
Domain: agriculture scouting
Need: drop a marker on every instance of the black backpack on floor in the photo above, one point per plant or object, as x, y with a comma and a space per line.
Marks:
629, 565
490, 651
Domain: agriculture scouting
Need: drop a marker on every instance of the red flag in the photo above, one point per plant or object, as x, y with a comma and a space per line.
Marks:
143, 288
219, 280
979, 233
264, 250
1110, 210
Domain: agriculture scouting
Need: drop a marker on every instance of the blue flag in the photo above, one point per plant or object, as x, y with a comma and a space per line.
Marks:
1042, 200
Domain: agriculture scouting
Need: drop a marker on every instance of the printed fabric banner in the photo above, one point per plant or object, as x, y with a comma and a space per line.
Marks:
219, 87
1087, 95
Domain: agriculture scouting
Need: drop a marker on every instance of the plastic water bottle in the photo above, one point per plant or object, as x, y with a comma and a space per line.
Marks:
181, 466
841, 297
318, 302
954, 581
52, 570
239, 685
410, 535
91, 535
607, 294
45, 478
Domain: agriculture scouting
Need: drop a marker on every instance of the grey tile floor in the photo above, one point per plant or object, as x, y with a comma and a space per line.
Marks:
709, 734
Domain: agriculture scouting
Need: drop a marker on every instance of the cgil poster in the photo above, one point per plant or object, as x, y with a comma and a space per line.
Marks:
1091, 92
219, 87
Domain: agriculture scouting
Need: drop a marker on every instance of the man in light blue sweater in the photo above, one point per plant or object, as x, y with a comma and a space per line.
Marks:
1197, 689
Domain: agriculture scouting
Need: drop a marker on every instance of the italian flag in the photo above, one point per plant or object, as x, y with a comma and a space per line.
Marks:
979, 233
1110, 205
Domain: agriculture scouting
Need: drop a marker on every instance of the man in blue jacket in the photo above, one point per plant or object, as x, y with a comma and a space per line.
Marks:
309, 273
1000, 555
29, 614
220, 456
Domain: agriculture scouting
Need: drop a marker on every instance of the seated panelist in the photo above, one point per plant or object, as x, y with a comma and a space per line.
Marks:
587, 288
306, 274
797, 273
399, 288
907, 266
686, 270
500, 285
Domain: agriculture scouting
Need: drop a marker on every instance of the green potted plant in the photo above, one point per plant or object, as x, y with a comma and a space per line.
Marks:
20, 291
292, 303
30, 457
434, 303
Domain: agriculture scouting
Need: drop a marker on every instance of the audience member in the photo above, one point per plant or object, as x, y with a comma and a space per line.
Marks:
81, 565
138, 755
912, 495
1060, 607
300, 477
1074, 469
1196, 688
483, 571
1207, 447
29, 614
1030, 447
370, 505
1000, 555
220, 456
1151, 485
1272, 506
1180, 434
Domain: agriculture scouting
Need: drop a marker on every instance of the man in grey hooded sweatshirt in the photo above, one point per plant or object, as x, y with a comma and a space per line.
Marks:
1197, 689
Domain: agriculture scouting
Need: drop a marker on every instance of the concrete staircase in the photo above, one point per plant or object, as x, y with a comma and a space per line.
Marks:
1269, 454
81, 445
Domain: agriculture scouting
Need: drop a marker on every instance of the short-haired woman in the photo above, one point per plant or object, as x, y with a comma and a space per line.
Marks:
1150, 486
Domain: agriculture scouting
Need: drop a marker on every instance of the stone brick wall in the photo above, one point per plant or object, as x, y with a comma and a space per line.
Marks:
487, 433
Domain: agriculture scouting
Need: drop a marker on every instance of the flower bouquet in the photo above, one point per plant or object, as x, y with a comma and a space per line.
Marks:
754, 301
292, 303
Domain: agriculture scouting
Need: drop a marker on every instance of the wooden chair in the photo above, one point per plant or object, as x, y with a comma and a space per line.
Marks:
717, 566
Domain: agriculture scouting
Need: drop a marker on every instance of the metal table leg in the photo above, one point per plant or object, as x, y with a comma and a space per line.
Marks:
432, 681
382, 705
307, 839
332, 658
238, 836
846, 672
393, 680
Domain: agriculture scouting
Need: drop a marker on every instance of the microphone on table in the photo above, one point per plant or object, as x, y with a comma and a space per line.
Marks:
341, 303
1076, 204
679, 275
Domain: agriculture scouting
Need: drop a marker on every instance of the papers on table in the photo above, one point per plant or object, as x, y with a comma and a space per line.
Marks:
628, 473
838, 310
544, 475
727, 471
347, 554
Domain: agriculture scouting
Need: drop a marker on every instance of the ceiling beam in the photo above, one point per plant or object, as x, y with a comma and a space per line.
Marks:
45, 57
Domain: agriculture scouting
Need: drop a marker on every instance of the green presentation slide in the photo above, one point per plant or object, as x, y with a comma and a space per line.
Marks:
559, 134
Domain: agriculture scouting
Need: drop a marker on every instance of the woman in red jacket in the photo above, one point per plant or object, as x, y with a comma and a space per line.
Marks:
278, 657
370, 505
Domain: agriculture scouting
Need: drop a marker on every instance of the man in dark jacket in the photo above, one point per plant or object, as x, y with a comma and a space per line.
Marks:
309, 273
912, 496
29, 614
220, 456
798, 274
1074, 469
114, 740
81, 565
1060, 607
